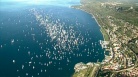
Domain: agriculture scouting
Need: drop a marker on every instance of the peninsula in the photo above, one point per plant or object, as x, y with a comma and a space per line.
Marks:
118, 21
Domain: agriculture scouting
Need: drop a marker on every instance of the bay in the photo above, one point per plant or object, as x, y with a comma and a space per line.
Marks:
46, 40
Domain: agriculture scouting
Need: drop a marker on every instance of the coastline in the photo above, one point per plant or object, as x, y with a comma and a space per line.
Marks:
98, 25
101, 30
96, 63
93, 16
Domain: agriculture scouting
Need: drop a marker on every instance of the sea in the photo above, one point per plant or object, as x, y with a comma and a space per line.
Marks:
46, 38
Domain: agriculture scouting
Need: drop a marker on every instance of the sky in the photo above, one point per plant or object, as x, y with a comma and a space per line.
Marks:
39, 1
21, 3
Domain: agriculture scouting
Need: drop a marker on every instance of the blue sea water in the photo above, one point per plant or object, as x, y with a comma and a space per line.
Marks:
26, 45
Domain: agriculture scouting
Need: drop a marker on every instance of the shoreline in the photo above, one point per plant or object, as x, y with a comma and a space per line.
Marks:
103, 62
101, 28
93, 16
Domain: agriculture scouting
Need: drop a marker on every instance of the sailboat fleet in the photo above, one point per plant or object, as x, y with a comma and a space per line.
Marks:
66, 41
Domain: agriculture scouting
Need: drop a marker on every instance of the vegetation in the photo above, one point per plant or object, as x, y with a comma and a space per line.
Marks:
106, 37
133, 46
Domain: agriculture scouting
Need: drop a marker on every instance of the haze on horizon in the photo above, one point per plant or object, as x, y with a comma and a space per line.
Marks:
41, 1
21, 3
